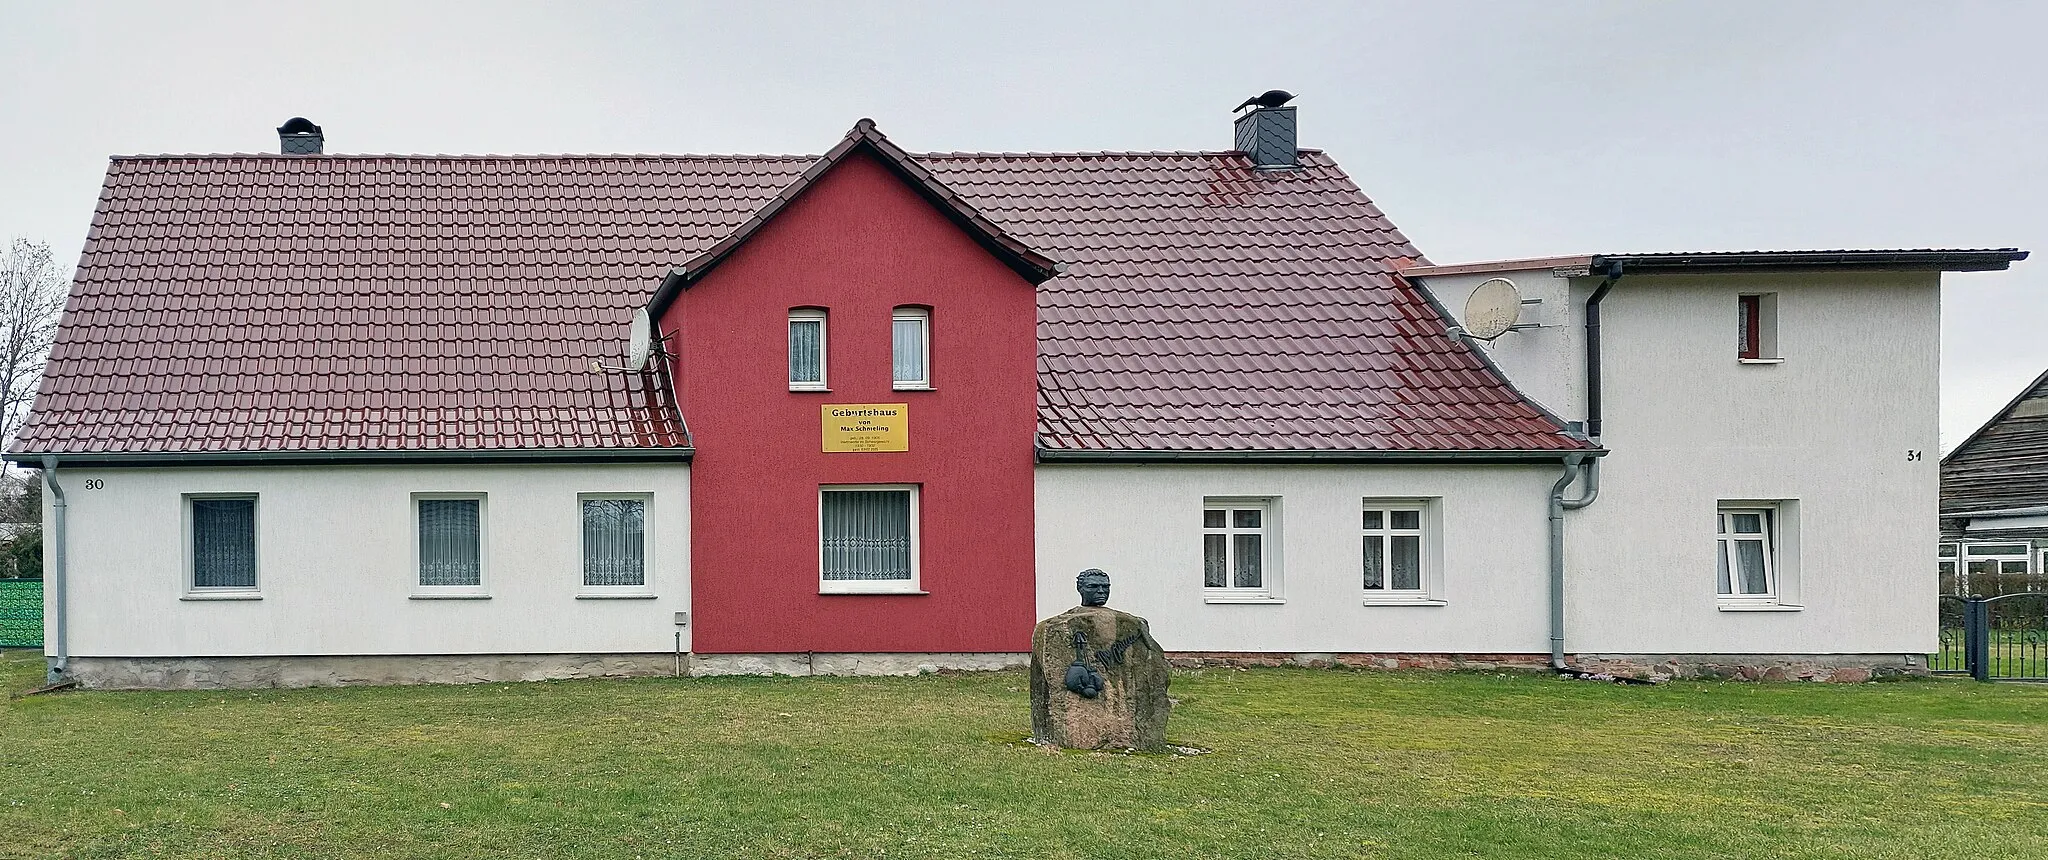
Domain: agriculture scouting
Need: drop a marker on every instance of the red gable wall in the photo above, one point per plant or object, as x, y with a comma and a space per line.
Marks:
859, 242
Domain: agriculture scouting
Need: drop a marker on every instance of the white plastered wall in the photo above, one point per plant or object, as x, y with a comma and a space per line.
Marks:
335, 563
1142, 524
1832, 426
1835, 426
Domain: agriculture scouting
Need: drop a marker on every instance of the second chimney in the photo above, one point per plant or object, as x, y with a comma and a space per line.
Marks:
299, 136
1266, 135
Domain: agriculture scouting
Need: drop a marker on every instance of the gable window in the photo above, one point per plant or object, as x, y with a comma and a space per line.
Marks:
222, 545
449, 547
614, 544
867, 539
1756, 336
807, 349
1746, 555
910, 339
1238, 549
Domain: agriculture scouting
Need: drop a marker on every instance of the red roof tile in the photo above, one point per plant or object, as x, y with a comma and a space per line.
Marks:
434, 303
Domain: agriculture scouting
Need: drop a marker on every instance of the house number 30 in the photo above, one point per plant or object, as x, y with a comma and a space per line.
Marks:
1912, 455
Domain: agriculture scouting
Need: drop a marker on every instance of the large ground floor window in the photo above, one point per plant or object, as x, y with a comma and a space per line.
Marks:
867, 539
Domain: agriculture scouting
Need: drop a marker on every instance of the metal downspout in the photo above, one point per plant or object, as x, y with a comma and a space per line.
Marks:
59, 665
1573, 464
1593, 350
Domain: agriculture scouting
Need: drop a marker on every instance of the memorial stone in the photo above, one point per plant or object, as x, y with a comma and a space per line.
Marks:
1098, 678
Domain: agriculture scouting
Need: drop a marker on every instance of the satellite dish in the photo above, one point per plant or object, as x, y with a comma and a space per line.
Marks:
1493, 309
641, 341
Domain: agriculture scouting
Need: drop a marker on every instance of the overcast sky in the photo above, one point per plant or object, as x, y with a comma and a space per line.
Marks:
1484, 130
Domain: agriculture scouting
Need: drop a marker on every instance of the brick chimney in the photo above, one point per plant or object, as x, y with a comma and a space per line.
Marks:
299, 136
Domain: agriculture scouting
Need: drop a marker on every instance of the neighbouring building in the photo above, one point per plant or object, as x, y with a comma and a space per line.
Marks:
1994, 502
319, 419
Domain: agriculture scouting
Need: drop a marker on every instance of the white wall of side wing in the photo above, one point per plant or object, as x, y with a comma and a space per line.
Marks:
1836, 426
1142, 524
335, 563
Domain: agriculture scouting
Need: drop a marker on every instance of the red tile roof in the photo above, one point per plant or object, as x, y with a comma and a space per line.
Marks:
440, 303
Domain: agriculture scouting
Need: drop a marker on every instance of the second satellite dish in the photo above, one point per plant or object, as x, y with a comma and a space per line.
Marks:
642, 341
1493, 309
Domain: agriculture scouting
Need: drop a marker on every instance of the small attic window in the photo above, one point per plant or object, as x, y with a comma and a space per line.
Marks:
1756, 337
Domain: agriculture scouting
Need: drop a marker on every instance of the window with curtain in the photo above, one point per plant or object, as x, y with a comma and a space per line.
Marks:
451, 542
614, 542
807, 350
1235, 545
224, 543
1393, 550
910, 341
867, 538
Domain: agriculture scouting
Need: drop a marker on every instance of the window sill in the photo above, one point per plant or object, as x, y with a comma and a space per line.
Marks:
870, 592
458, 596
1373, 600
904, 387
820, 390
1248, 599
1759, 607
601, 595
1759, 361
222, 595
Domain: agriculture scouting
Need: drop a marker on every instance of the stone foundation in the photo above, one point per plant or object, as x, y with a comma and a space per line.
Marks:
851, 664
221, 673
1836, 668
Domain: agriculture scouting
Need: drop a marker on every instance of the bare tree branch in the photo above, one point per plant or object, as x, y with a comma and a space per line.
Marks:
32, 293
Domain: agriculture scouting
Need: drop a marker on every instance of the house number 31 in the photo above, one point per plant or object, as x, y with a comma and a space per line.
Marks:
1912, 455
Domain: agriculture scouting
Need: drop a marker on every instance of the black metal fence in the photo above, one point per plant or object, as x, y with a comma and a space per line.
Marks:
2002, 638
21, 613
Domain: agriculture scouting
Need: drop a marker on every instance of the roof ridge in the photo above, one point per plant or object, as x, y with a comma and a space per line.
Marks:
665, 156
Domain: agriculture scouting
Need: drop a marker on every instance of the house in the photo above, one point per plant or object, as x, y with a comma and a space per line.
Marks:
319, 419
1994, 502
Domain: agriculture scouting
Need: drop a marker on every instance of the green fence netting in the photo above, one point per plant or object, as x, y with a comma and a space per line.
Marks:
21, 613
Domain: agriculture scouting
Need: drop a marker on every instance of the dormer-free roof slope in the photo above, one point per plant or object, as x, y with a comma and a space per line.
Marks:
256, 303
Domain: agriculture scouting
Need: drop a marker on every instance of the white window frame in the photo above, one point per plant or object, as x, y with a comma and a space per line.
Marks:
913, 585
1766, 347
479, 591
1268, 590
218, 592
817, 315
586, 591
923, 318
1969, 552
1429, 534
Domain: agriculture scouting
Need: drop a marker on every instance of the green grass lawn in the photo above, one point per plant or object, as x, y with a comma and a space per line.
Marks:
1305, 763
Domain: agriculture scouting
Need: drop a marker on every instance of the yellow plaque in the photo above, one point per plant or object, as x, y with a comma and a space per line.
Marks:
861, 427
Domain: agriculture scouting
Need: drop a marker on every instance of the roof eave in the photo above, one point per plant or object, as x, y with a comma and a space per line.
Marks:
34, 459
1502, 456
1933, 260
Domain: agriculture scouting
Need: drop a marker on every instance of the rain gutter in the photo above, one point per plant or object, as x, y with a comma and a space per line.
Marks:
358, 458
1061, 455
